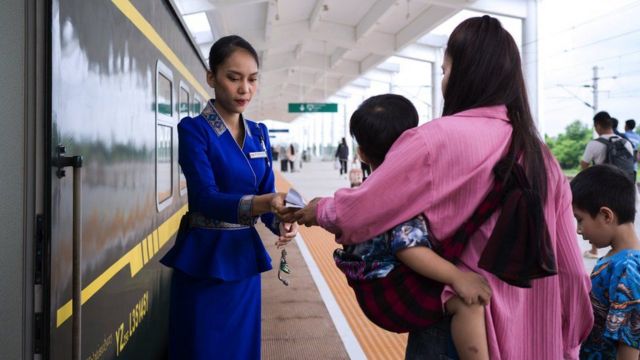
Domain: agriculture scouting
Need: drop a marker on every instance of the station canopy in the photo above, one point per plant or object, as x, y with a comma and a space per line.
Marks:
311, 50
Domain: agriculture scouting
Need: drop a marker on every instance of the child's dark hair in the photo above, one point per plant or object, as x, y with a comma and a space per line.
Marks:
225, 46
379, 121
608, 186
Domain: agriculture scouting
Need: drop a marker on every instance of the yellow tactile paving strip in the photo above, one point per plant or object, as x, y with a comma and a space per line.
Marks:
375, 342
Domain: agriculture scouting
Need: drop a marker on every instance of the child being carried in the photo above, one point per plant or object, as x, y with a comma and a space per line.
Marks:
376, 124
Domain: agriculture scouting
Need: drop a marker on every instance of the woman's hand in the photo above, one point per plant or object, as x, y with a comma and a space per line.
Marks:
288, 232
307, 215
472, 288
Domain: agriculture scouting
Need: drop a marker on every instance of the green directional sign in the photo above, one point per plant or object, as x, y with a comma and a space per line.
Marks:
312, 107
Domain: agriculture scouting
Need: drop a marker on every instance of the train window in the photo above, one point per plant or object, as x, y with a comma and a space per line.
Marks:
197, 104
183, 102
165, 123
164, 95
164, 156
183, 182
183, 110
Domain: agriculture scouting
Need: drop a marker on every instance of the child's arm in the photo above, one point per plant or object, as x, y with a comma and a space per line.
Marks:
471, 287
626, 352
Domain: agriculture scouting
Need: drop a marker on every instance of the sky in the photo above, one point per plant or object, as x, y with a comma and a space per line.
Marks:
574, 37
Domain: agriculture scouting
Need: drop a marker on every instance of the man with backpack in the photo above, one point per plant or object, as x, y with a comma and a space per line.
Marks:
607, 148
634, 138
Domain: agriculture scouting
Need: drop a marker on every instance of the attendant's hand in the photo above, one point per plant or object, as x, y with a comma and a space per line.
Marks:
277, 202
307, 215
278, 207
288, 232
472, 288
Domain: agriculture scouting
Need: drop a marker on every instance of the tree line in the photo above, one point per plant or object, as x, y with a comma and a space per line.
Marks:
568, 147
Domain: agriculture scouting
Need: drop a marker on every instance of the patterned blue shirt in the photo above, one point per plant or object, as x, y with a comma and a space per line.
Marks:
376, 258
615, 297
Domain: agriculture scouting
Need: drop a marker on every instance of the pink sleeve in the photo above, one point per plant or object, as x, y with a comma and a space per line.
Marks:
395, 192
575, 284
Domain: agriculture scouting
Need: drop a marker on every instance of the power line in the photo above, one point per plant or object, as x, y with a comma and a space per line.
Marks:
537, 58
593, 19
599, 60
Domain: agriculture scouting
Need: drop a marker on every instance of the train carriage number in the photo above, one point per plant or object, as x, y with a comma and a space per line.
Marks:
135, 318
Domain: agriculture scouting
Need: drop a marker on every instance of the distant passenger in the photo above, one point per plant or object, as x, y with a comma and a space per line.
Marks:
291, 156
376, 125
604, 206
445, 168
342, 154
355, 174
634, 138
614, 127
218, 255
596, 152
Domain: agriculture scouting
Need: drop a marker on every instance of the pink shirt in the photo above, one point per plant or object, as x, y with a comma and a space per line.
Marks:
442, 169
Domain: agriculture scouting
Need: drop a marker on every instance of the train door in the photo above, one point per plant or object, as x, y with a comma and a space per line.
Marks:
103, 216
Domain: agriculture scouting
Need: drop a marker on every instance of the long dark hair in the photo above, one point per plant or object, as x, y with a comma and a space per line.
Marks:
486, 70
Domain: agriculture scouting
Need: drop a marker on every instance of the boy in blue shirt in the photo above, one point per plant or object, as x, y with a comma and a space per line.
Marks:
604, 206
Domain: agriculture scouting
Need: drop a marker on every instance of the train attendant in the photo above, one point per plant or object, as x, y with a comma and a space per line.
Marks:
443, 169
218, 255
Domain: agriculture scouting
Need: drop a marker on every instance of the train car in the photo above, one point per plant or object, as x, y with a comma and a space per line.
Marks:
104, 84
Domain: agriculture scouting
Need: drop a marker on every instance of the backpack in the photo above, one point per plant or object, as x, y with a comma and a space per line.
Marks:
617, 154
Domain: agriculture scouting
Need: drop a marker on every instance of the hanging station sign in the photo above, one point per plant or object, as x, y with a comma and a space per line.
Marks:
313, 107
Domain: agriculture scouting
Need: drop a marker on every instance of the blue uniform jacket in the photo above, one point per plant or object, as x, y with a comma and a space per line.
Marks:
221, 179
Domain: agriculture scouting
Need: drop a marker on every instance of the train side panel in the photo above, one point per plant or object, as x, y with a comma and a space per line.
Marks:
116, 100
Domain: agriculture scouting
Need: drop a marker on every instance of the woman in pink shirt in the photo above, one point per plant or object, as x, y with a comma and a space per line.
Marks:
443, 169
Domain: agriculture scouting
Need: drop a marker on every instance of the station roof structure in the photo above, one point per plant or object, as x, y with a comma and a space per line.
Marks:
313, 49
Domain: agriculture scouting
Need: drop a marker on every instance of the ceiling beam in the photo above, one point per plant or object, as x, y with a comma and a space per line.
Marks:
337, 57
419, 52
217, 24
375, 15
188, 7
336, 34
299, 50
370, 62
433, 15
510, 8
433, 40
315, 14
283, 61
236, 2
268, 21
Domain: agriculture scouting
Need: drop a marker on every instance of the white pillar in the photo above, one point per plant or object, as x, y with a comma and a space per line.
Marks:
530, 58
436, 82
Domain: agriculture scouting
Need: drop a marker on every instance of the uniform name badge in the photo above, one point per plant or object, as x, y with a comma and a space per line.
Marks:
258, 155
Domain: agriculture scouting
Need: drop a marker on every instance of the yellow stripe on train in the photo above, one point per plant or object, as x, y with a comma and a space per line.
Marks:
152, 35
136, 258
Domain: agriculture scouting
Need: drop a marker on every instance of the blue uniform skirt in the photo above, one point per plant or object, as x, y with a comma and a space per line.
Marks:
214, 319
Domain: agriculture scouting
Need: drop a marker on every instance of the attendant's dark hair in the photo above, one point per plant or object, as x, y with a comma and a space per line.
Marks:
379, 121
603, 119
225, 46
605, 186
486, 70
